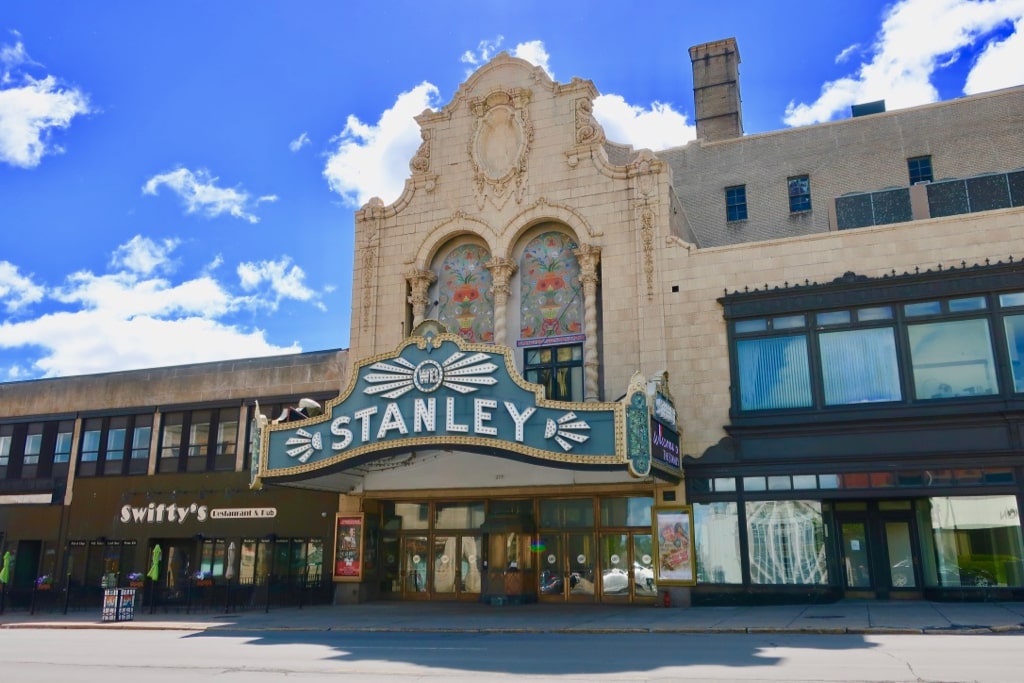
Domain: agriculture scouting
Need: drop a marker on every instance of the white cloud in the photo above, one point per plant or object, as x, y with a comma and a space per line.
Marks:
1000, 65
299, 142
659, 127
535, 53
16, 290
373, 160
143, 255
845, 54
917, 38
31, 109
485, 50
283, 280
131, 318
200, 192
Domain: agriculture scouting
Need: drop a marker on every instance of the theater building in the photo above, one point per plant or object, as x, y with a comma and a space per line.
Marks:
770, 367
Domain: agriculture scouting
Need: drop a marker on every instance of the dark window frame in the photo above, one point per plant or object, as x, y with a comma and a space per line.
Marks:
919, 169
999, 288
533, 371
105, 464
799, 190
186, 456
736, 203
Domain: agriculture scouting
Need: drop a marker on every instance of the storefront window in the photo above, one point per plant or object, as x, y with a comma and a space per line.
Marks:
212, 558
626, 511
458, 515
406, 516
717, 534
977, 541
787, 542
247, 562
571, 513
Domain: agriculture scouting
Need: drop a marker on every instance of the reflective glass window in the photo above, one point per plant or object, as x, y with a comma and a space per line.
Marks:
786, 541
977, 541
774, 373
860, 366
716, 529
952, 359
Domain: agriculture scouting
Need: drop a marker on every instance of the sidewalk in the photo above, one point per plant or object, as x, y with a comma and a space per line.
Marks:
848, 616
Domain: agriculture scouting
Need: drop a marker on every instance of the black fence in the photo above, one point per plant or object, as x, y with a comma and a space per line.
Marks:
217, 595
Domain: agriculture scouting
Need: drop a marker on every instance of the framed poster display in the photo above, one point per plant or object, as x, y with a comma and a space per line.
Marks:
348, 546
673, 538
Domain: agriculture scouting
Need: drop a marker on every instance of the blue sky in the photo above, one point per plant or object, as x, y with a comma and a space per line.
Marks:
178, 179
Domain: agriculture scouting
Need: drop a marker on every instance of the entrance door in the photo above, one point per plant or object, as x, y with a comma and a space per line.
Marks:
457, 567
568, 567
415, 552
627, 567
879, 556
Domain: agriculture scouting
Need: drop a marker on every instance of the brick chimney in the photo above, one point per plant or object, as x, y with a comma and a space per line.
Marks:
716, 90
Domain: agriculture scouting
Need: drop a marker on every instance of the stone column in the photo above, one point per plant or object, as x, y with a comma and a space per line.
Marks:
419, 283
589, 255
502, 270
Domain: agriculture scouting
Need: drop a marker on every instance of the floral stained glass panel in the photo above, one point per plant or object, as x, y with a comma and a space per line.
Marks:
464, 301
551, 301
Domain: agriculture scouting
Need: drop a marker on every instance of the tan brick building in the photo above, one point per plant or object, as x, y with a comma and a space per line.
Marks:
802, 345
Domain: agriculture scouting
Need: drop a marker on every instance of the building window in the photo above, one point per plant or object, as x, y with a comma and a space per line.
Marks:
110, 445
33, 444
203, 440
736, 203
952, 359
138, 462
559, 369
62, 447
799, 194
920, 169
6, 432
774, 373
885, 352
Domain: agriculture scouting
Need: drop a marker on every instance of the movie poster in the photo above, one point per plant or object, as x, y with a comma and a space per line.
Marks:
348, 547
673, 534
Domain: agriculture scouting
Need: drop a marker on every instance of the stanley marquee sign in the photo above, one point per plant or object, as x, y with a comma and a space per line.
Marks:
439, 391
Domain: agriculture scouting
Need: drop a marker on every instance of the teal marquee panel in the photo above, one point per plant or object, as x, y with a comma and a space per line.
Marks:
439, 391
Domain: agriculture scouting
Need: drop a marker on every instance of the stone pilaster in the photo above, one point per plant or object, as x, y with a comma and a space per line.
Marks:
419, 284
589, 255
502, 270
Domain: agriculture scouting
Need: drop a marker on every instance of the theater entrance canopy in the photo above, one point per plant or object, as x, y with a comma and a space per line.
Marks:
441, 410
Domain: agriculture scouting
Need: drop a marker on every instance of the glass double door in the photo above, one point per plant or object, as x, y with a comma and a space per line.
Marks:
879, 551
441, 566
585, 567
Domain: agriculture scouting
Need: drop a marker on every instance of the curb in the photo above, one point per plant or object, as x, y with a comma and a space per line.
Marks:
681, 630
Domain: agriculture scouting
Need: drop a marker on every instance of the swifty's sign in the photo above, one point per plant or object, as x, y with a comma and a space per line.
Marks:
439, 391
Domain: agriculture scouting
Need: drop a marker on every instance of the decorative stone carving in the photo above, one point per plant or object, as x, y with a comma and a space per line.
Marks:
373, 214
644, 170
502, 270
500, 145
588, 130
647, 242
421, 161
419, 286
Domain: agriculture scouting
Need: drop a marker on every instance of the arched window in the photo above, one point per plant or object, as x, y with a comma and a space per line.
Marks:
465, 304
551, 299
551, 316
